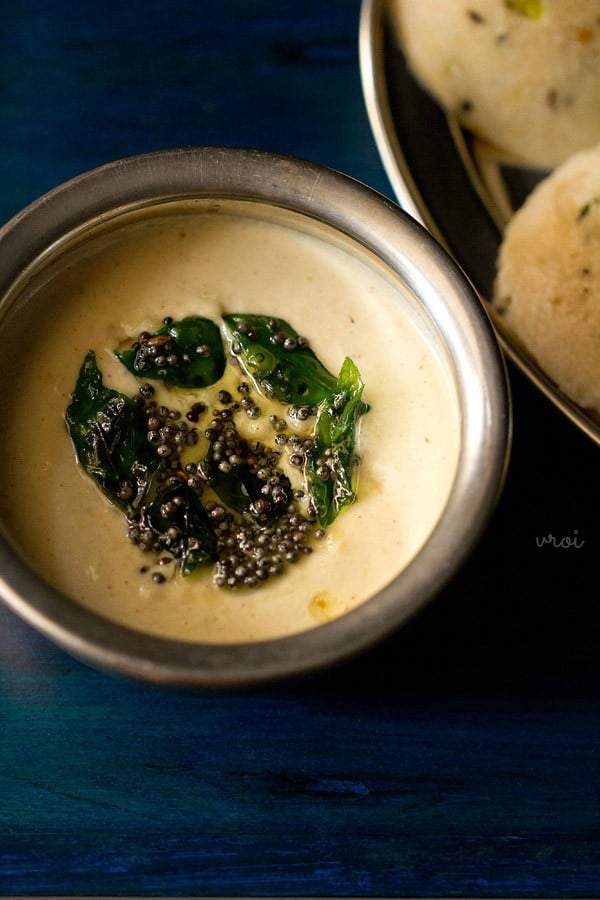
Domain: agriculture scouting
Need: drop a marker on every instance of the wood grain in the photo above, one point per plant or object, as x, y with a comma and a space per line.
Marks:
460, 758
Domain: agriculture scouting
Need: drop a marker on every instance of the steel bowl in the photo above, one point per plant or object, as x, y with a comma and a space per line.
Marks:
357, 215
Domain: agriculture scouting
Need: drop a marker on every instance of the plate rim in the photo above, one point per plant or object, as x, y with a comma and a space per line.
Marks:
373, 21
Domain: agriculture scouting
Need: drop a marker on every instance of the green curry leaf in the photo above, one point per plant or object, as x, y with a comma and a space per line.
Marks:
277, 360
109, 435
335, 442
187, 354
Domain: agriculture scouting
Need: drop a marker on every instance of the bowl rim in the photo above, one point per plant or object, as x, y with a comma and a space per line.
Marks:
381, 227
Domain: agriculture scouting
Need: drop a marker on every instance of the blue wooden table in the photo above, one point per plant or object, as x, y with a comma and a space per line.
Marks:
461, 757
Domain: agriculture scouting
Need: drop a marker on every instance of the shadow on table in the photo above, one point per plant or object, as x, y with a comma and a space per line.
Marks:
523, 609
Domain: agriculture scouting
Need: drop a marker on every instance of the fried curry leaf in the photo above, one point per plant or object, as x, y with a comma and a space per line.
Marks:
185, 531
331, 464
242, 490
187, 354
109, 435
237, 489
277, 360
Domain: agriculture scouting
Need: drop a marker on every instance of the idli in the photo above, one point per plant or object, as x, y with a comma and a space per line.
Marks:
548, 280
522, 74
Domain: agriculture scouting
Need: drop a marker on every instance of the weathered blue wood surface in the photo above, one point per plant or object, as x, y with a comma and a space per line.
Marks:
461, 758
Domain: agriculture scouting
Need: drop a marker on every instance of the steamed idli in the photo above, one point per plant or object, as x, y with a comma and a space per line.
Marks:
522, 74
548, 280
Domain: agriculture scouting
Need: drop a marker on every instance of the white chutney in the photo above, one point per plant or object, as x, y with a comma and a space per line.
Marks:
210, 263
